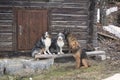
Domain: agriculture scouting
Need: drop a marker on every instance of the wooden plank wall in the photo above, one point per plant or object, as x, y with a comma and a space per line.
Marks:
6, 29
72, 14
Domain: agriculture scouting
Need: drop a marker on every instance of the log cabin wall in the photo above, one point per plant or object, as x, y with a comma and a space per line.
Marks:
6, 29
71, 14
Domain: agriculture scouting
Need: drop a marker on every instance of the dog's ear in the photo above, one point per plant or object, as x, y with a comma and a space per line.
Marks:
66, 31
43, 35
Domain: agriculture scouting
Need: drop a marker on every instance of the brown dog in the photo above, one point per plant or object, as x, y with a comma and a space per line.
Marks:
76, 50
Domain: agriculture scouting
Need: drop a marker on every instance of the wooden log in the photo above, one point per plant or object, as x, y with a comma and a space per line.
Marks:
6, 46
102, 54
63, 22
67, 55
106, 35
6, 28
52, 56
6, 37
69, 17
67, 11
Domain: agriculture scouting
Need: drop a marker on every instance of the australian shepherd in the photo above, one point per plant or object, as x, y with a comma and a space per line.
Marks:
38, 48
43, 45
74, 46
46, 40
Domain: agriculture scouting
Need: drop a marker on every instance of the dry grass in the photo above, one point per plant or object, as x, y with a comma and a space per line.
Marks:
66, 71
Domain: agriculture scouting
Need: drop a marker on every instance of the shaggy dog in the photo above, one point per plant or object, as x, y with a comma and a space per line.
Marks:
43, 45
60, 42
74, 46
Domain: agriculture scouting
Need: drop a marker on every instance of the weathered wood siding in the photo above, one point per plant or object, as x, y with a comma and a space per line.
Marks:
6, 29
72, 14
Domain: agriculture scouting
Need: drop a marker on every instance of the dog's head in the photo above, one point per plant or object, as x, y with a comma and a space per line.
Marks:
66, 33
74, 44
46, 35
72, 40
60, 37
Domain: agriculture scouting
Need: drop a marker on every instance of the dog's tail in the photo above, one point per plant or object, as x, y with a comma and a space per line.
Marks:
38, 45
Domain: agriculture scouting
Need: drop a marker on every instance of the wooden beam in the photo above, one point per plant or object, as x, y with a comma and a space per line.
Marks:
106, 35
102, 54
52, 55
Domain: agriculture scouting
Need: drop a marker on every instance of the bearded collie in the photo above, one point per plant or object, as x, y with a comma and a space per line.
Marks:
60, 42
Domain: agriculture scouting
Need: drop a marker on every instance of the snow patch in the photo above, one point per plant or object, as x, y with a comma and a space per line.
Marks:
114, 77
98, 15
110, 10
113, 29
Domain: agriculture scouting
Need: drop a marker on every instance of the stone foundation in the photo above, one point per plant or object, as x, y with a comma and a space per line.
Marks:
22, 67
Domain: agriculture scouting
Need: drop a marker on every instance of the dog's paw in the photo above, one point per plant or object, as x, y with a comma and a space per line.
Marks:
45, 52
49, 53
58, 53
53, 53
39, 53
62, 52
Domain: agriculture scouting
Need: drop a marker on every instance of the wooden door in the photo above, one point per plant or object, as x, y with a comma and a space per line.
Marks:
31, 25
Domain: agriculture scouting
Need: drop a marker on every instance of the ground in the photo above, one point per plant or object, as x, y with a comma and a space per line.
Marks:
66, 71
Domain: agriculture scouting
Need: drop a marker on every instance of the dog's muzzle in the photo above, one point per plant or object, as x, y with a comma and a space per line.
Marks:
60, 39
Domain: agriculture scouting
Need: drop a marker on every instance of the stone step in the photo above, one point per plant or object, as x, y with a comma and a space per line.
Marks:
24, 67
